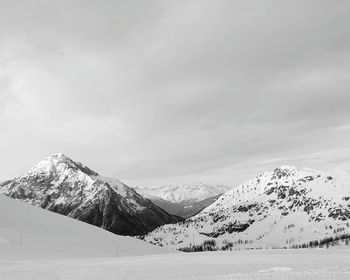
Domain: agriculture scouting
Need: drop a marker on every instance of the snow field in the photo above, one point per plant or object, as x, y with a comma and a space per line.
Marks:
254, 264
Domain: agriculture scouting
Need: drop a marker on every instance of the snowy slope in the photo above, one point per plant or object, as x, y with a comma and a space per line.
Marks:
48, 235
64, 186
282, 208
183, 200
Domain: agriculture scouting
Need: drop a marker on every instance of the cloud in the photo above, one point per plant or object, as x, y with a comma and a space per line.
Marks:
163, 91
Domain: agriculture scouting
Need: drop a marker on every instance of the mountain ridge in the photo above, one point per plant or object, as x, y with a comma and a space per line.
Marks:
178, 193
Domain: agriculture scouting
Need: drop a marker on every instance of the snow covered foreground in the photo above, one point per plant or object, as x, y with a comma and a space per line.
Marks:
254, 264
29, 232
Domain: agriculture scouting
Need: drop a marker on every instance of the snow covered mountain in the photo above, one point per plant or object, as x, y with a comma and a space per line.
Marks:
182, 193
287, 207
64, 186
183, 200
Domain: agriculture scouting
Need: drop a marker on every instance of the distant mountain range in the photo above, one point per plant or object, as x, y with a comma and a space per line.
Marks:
285, 208
70, 188
183, 200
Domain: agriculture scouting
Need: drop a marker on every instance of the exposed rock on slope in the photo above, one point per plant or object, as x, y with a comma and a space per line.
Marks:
64, 186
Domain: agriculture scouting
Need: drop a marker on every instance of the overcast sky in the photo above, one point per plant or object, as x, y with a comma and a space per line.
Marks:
161, 92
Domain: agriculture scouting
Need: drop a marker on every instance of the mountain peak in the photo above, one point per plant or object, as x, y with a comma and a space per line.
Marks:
284, 171
60, 163
58, 155
287, 167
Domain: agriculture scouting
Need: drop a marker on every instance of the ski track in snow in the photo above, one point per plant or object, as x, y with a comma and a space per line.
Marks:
262, 264
287, 276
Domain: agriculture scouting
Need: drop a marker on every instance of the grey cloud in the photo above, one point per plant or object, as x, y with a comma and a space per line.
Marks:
157, 90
